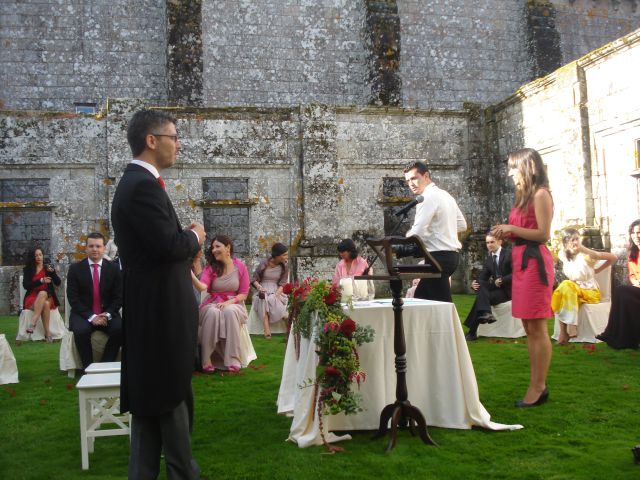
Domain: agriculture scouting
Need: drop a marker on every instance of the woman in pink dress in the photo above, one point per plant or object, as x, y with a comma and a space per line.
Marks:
350, 264
268, 279
222, 312
533, 271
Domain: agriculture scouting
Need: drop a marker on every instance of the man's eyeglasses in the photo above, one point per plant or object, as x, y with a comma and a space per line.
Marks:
173, 137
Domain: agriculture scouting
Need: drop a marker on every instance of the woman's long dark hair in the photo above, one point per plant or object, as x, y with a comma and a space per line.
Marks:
633, 248
217, 266
30, 259
348, 245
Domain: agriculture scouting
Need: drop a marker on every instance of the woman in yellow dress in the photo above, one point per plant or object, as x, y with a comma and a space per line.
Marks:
579, 266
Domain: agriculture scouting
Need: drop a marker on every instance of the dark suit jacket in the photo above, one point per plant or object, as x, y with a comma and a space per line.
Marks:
505, 268
80, 289
160, 314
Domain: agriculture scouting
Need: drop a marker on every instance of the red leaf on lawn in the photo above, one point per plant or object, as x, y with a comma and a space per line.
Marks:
47, 381
69, 386
258, 367
10, 391
42, 402
625, 387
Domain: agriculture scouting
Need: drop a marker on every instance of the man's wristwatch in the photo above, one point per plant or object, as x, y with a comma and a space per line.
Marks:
108, 315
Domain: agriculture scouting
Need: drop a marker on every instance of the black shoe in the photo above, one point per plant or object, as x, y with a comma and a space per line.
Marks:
471, 336
636, 454
541, 399
486, 318
601, 337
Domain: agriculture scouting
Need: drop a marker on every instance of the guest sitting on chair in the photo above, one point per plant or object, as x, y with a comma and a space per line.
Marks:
226, 280
578, 265
38, 281
94, 291
351, 264
623, 329
493, 285
272, 273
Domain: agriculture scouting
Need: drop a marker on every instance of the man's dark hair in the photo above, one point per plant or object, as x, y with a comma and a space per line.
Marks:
421, 167
97, 235
142, 124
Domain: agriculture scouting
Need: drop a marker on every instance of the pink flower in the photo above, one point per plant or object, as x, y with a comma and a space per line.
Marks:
331, 326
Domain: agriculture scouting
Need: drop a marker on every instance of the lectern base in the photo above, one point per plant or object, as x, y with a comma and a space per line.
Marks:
402, 412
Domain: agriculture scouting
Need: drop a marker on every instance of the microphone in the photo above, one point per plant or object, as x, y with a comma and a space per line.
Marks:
410, 205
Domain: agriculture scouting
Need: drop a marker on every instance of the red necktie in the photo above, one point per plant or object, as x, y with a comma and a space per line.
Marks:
161, 182
97, 305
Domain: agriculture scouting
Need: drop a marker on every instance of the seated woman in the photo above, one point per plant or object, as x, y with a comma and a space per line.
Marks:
222, 312
272, 273
623, 329
351, 264
578, 265
38, 280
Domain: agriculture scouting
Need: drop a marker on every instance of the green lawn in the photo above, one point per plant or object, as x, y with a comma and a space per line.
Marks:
586, 429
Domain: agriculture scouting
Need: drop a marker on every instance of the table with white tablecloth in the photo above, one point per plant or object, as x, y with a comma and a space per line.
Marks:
440, 377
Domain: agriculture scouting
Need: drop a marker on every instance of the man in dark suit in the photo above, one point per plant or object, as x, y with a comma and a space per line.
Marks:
95, 309
160, 315
493, 286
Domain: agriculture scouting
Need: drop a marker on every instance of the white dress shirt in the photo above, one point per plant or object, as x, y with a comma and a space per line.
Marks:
438, 220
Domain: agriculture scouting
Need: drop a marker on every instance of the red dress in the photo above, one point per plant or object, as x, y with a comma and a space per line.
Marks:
530, 298
30, 298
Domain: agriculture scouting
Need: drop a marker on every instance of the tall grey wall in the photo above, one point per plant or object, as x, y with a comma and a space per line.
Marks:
436, 54
55, 53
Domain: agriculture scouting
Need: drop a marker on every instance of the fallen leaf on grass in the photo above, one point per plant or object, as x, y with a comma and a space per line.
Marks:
10, 391
625, 387
42, 402
47, 381
69, 386
257, 367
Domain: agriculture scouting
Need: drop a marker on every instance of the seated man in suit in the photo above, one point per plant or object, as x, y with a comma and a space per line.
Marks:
95, 308
493, 286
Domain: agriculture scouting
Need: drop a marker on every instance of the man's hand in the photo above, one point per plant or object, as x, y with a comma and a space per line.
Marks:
199, 229
498, 282
475, 285
100, 320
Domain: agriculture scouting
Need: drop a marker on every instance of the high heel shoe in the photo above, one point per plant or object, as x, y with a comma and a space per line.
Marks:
30, 328
541, 399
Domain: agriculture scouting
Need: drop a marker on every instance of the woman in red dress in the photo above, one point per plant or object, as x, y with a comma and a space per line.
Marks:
533, 271
38, 281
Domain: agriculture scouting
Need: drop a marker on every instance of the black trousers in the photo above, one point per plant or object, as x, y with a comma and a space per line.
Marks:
482, 304
82, 331
169, 433
439, 288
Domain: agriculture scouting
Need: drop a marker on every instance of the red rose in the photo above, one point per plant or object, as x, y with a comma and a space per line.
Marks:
331, 297
287, 288
347, 327
332, 371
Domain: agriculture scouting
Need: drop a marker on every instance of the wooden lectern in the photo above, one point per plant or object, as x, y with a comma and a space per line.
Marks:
401, 411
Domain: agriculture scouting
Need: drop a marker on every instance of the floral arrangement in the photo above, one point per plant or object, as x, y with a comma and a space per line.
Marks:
314, 304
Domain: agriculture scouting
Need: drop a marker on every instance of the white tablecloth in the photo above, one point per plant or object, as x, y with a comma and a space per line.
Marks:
440, 377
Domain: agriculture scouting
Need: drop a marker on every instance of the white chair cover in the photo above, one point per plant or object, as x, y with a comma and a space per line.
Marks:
256, 327
592, 317
8, 365
505, 325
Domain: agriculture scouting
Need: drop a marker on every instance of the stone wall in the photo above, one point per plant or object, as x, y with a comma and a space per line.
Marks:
411, 53
585, 121
314, 174
55, 53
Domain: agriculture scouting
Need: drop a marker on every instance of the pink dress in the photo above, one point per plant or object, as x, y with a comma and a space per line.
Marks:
530, 297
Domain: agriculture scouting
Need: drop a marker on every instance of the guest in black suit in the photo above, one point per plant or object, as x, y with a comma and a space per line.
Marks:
160, 315
90, 312
493, 286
